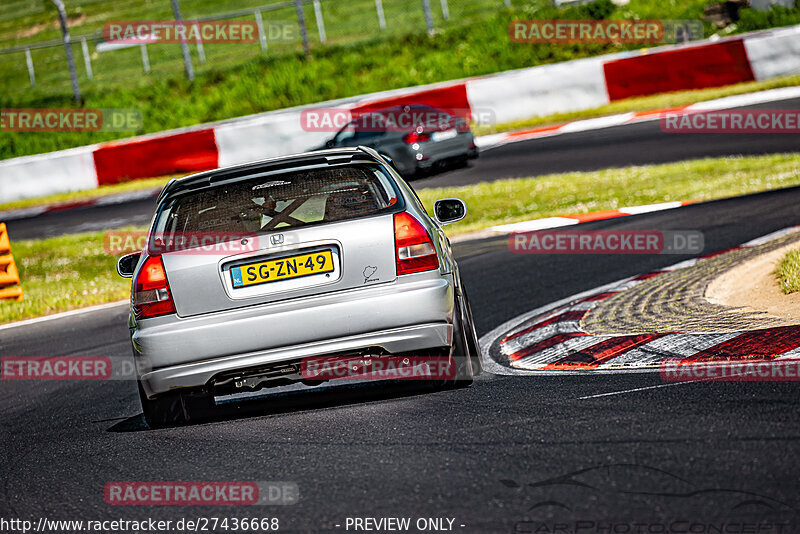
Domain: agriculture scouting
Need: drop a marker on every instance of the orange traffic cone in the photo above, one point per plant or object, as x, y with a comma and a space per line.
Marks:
9, 275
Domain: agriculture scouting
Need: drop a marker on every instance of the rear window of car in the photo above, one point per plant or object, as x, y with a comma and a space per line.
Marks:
281, 201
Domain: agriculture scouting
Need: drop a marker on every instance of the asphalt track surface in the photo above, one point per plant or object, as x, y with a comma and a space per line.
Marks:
619, 146
561, 453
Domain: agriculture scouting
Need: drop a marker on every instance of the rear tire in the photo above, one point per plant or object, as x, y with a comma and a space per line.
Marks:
176, 407
472, 337
460, 352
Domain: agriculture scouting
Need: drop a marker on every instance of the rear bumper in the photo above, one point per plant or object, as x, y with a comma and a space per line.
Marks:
411, 314
400, 340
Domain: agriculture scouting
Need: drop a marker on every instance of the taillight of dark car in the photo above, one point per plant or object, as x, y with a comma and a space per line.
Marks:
414, 248
416, 137
151, 293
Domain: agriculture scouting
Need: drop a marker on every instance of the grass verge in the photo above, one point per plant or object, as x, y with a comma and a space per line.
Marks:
515, 200
788, 272
88, 194
73, 271
661, 101
63, 273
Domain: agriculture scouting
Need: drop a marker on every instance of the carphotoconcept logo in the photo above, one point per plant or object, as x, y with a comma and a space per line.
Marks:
178, 493
604, 31
732, 121
70, 120
606, 242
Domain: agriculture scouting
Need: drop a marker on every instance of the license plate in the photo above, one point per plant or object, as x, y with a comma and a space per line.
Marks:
283, 269
447, 134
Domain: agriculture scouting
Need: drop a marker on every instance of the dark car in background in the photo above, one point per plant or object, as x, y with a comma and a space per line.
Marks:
418, 139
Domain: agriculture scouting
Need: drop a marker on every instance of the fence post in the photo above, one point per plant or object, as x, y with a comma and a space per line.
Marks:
320, 22
73, 73
301, 20
145, 58
187, 59
262, 37
426, 5
87, 61
445, 10
31, 72
201, 52
381, 18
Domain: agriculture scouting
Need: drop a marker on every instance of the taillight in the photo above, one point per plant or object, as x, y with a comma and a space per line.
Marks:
151, 294
416, 137
414, 249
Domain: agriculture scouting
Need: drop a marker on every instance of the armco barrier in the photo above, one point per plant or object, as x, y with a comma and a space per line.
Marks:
156, 156
683, 69
504, 97
44, 174
451, 97
539, 91
264, 136
775, 53
9, 276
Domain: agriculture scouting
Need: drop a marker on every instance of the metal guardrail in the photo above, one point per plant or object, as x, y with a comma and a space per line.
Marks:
99, 33
255, 12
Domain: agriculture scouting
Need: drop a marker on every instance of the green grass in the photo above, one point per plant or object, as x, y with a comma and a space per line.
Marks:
239, 80
788, 272
510, 201
63, 273
67, 272
632, 104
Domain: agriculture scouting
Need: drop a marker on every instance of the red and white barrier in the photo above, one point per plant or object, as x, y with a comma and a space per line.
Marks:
729, 102
503, 97
775, 53
539, 91
43, 174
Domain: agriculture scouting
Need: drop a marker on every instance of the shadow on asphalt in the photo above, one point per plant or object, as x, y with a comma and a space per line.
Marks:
283, 402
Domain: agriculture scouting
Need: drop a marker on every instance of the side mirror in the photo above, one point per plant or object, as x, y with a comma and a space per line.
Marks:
449, 210
329, 143
126, 265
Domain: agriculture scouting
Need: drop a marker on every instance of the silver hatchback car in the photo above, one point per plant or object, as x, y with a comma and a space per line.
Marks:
253, 273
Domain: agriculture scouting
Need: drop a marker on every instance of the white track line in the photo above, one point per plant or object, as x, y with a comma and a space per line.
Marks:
634, 390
